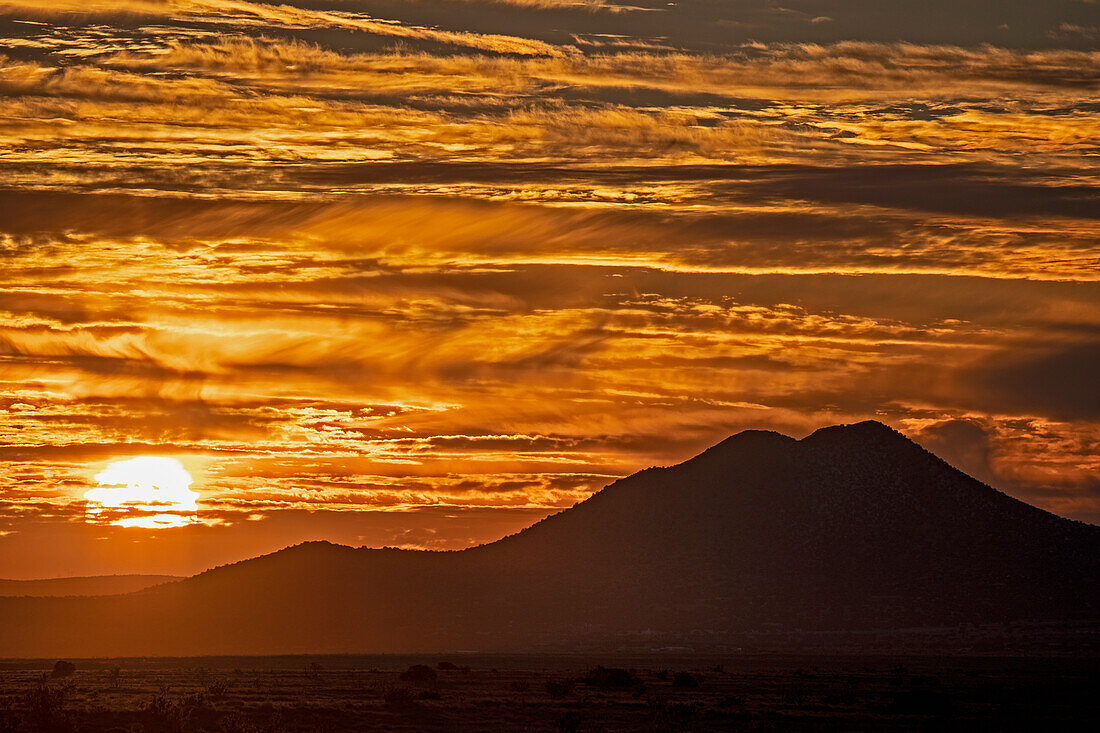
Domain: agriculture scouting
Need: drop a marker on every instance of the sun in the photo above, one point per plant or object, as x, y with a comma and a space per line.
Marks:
147, 491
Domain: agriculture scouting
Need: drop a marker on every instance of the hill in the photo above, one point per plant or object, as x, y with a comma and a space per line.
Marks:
853, 527
93, 585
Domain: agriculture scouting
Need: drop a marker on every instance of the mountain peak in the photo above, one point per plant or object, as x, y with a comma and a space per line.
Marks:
745, 445
313, 549
754, 445
865, 431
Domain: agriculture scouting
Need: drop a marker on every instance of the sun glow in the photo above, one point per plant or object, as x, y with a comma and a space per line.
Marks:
148, 491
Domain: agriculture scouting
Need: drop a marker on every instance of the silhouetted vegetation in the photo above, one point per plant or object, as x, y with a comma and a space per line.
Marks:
419, 673
568, 722
957, 694
178, 714
398, 696
732, 701
217, 689
45, 706
687, 679
611, 678
62, 669
673, 716
557, 689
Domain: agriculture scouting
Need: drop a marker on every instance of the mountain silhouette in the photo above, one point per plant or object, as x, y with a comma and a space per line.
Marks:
854, 527
92, 585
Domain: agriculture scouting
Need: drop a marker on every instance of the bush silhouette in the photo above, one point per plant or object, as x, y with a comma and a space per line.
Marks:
558, 689
398, 697
218, 689
62, 668
46, 706
171, 715
607, 678
419, 673
676, 716
569, 722
686, 679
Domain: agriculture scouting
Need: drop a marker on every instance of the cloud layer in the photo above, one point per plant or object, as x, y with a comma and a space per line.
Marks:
419, 274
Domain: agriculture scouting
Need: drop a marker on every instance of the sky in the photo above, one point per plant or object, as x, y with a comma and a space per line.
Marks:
418, 273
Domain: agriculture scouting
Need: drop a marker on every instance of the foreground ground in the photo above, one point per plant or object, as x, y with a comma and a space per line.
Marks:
478, 693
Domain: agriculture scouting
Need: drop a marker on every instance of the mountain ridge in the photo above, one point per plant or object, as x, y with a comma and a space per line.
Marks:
852, 527
82, 585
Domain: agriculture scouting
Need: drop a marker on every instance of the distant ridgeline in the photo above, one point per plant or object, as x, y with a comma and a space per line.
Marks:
96, 585
852, 529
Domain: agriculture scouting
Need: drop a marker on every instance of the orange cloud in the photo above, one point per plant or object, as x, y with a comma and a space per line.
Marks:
424, 294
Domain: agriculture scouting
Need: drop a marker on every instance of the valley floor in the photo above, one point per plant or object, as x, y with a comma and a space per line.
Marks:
659, 692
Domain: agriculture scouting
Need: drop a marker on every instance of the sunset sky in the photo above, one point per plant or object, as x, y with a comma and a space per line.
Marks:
420, 272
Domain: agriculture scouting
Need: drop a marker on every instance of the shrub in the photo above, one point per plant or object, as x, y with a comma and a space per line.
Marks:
46, 706
176, 715
446, 665
398, 697
677, 716
9, 722
795, 696
568, 722
520, 686
419, 673
686, 679
558, 689
62, 668
241, 722
607, 678
218, 689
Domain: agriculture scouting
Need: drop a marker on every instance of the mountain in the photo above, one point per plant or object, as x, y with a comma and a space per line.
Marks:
93, 585
852, 527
